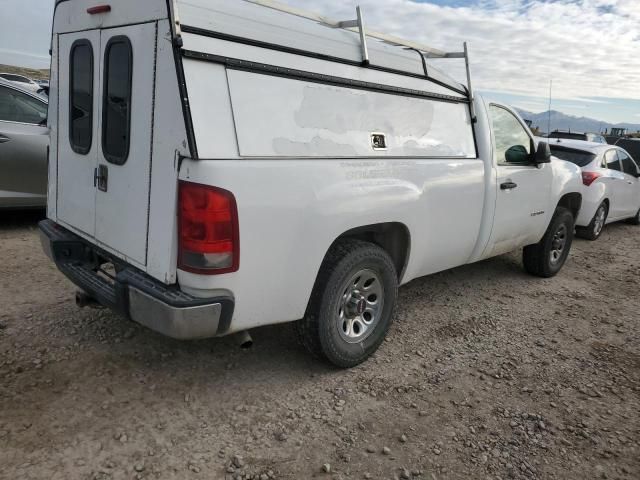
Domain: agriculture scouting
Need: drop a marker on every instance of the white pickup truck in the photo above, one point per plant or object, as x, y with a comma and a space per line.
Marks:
216, 166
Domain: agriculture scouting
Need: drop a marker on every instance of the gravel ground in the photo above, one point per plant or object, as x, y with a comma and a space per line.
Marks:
486, 373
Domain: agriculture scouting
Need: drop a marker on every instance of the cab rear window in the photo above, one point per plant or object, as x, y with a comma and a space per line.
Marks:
116, 101
579, 157
81, 97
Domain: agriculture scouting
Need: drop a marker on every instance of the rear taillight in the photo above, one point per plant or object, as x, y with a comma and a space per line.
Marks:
209, 242
589, 177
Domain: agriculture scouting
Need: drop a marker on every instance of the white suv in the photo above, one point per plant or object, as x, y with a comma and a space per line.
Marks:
611, 184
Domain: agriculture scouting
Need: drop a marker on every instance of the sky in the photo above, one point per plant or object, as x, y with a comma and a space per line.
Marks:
25, 32
588, 48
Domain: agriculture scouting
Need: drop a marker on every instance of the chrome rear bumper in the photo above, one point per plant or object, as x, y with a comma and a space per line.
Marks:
163, 308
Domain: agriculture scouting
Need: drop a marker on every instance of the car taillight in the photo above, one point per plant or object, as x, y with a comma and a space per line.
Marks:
589, 177
208, 236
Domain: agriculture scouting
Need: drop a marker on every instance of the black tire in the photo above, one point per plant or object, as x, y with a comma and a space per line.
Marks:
635, 220
328, 312
538, 258
595, 227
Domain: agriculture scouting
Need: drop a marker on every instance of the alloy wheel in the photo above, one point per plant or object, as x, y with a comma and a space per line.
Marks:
360, 307
599, 219
558, 244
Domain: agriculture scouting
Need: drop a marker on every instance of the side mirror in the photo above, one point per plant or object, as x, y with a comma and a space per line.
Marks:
543, 153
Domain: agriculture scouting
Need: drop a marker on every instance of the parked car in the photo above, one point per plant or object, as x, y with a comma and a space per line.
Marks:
235, 181
612, 188
23, 147
22, 81
632, 146
569, 135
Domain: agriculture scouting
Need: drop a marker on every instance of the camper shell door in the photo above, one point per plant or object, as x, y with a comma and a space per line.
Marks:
104, 136
104, 64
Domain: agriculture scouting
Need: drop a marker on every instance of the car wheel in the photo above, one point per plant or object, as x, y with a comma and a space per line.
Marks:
351, 307
635, 220
594, 229
546, 258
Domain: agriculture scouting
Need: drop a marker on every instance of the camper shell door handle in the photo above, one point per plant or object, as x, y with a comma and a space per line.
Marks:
101, 178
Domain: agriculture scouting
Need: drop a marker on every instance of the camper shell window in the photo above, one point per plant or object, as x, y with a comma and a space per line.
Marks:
116, 101
81, 96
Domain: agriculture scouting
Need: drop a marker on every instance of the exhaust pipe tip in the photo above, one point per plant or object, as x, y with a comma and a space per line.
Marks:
244, 339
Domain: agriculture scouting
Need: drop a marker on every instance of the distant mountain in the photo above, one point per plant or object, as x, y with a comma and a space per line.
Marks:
563, 121
42, 74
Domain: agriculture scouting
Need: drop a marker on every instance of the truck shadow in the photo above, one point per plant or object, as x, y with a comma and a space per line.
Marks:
16, 219
276, 352
105, 338
611, 229
133, 364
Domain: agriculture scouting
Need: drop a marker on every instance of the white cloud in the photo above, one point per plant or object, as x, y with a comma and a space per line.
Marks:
587, 100
588, 47
529, 105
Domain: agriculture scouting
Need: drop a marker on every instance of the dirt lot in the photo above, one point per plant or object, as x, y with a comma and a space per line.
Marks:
487, 373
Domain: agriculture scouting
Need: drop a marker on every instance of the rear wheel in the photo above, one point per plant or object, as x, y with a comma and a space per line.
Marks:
594, 229
546, 258
351, 307
635, 220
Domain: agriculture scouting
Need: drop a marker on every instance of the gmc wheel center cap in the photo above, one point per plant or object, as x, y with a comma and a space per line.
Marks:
356, 305
361, 306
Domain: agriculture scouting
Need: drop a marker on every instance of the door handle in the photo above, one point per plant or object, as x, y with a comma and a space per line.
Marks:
4, 139
101, 177
508, 186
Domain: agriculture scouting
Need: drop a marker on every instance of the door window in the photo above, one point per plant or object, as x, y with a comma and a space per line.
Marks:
628, 165
611, 160
81, 96
18, 107
513, 144
116, 101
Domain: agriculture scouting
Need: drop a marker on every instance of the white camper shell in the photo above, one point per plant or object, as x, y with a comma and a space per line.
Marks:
227, 158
